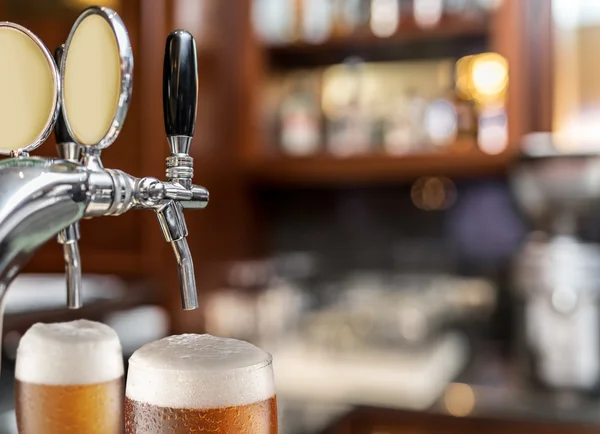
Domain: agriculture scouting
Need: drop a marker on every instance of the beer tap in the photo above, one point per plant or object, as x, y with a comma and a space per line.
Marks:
69, 237
41, 198
180, 93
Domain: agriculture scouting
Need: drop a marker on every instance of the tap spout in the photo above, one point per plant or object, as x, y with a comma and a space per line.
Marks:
185, 268
69, 238
172, 223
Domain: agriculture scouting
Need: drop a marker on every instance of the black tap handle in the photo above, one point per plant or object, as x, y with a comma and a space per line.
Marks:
180, 84
60, 129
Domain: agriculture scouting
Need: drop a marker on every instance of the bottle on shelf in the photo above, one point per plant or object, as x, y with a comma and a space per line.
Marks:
274, 21
441, 123
384, 17
349, 16
428, 13
268, 112
493, 130
487, 77
300, 117
490, 77
340, 25
405, 130
464, 100
466, 116
470, 8
417, 108
317, 20
357, 14
489, 5
349, 126
457, 7
350, 133
398, 133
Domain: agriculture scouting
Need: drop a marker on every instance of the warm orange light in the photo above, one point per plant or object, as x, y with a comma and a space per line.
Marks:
459, 399
433, 193
463, 77
489, 73
482, 78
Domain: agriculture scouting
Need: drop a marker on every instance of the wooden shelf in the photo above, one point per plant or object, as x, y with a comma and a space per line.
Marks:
453, 37
278, 171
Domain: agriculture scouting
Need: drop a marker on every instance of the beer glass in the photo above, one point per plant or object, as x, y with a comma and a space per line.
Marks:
69, 379
200, 383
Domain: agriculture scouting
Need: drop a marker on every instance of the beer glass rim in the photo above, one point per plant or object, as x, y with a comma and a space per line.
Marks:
260, 365
254, 367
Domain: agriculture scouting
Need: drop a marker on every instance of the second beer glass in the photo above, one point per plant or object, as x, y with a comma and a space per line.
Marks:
200, 383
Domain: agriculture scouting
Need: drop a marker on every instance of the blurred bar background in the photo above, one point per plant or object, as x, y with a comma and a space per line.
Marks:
405, 207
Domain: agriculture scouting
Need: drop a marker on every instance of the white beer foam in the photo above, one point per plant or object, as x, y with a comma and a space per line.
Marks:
199, 371
69, 353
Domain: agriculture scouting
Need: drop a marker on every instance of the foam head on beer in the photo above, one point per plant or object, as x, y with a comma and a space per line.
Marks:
201, 381
76, 352
169, 373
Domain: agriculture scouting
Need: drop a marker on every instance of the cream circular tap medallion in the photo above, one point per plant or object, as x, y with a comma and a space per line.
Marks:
92, 80
28, 89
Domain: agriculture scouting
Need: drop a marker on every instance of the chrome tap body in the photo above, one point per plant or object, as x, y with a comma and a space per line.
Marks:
41, 197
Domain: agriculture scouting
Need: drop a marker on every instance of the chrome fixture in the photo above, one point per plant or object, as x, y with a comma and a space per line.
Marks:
555, 273
41, 198
69, 237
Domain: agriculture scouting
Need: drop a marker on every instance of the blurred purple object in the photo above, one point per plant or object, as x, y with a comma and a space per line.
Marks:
484, 225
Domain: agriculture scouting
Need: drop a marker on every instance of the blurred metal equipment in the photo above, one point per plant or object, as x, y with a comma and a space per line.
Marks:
43, 197
553, 188
556, 274
558, 281
409, 311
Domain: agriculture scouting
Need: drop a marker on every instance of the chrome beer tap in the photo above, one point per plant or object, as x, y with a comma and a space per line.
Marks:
41, 198
69, 237
180, 93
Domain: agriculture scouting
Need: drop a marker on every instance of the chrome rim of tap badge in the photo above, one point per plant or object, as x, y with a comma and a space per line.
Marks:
96, 77
30, 89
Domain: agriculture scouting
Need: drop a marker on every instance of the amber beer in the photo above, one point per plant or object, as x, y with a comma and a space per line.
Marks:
69, 379
200, 383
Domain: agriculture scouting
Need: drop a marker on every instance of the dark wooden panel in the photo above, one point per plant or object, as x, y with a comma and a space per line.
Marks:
368, 421
541, 70
153, 18
510, 37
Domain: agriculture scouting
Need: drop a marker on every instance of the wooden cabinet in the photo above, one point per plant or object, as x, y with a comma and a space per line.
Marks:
513, 30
